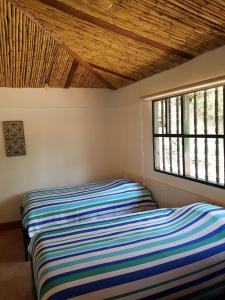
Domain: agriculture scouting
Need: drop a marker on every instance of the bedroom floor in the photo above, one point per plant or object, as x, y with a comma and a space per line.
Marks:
15, 274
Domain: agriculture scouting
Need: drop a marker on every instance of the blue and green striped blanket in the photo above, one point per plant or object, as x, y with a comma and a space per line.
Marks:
160, 254
45, 209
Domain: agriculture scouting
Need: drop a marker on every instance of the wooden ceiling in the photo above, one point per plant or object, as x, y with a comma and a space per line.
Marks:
67, 43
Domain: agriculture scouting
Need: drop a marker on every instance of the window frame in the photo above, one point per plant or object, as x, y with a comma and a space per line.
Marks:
182, 135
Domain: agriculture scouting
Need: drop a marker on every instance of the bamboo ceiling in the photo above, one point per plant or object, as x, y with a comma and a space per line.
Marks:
67, 43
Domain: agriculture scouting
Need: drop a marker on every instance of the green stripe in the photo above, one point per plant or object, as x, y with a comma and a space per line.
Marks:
80, 207
120, 220
165, 282
136, 249
210, 292
96, 224
125, 237
99, 223
124, 265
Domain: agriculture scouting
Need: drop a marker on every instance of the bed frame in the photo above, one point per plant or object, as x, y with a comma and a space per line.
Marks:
34, 290
26, 239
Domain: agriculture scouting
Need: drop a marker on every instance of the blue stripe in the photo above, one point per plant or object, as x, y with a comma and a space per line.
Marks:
83, 199
76, 215
96, 250
133, 230
187, 285
136, 221
82, 189
136, 275
151, 253
64, 206
99, 229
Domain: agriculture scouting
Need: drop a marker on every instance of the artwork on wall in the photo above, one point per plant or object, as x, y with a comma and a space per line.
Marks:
14, 137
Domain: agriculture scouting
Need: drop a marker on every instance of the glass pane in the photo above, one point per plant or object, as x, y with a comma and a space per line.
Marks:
158, 153
177, 163
157, 117
179, 114
174, 155
163, 116
175, 108
201, 158
189, 114
211, 111
200, 112
167, 154
221, 161
189, 144
220, 110
195, 158
212, 160
181, 156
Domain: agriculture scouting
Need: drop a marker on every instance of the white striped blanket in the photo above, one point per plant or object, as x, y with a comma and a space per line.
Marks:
160, 254
45, 209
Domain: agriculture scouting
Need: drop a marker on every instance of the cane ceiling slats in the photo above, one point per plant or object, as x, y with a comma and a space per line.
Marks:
30, 57
66, 43
116, 80
169, 21
83, 78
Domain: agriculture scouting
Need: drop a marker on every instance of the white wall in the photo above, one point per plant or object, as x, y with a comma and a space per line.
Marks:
67, 141
133, 136
79, 135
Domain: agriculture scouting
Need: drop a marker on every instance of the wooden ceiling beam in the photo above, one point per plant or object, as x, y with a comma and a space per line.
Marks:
111, 72
71, 74
29, 12
116, 29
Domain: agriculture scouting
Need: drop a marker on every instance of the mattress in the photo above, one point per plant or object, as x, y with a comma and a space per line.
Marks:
48, 208
160, 254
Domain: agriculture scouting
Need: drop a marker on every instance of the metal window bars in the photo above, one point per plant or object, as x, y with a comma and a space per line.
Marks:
186, 151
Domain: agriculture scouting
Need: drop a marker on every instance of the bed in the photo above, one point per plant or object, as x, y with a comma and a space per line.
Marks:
176, 253
49, 208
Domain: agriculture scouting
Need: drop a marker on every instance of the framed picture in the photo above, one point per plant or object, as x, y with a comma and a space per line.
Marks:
14, 138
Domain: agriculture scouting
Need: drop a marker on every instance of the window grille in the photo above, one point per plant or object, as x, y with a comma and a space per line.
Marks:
188, 135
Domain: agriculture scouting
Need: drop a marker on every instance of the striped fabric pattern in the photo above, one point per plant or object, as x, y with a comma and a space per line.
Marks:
160, 254
48, 208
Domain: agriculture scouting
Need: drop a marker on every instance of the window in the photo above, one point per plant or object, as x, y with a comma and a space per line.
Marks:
188, 136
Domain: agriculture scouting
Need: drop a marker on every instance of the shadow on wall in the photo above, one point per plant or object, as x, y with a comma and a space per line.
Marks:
169, 196
11, 207
166, 195
2, 132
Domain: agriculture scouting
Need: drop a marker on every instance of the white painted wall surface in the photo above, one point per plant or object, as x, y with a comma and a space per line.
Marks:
79, 135
133, 125
67, 141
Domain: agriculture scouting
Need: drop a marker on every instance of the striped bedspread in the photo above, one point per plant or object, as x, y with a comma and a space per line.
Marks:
45, 209
160, 254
